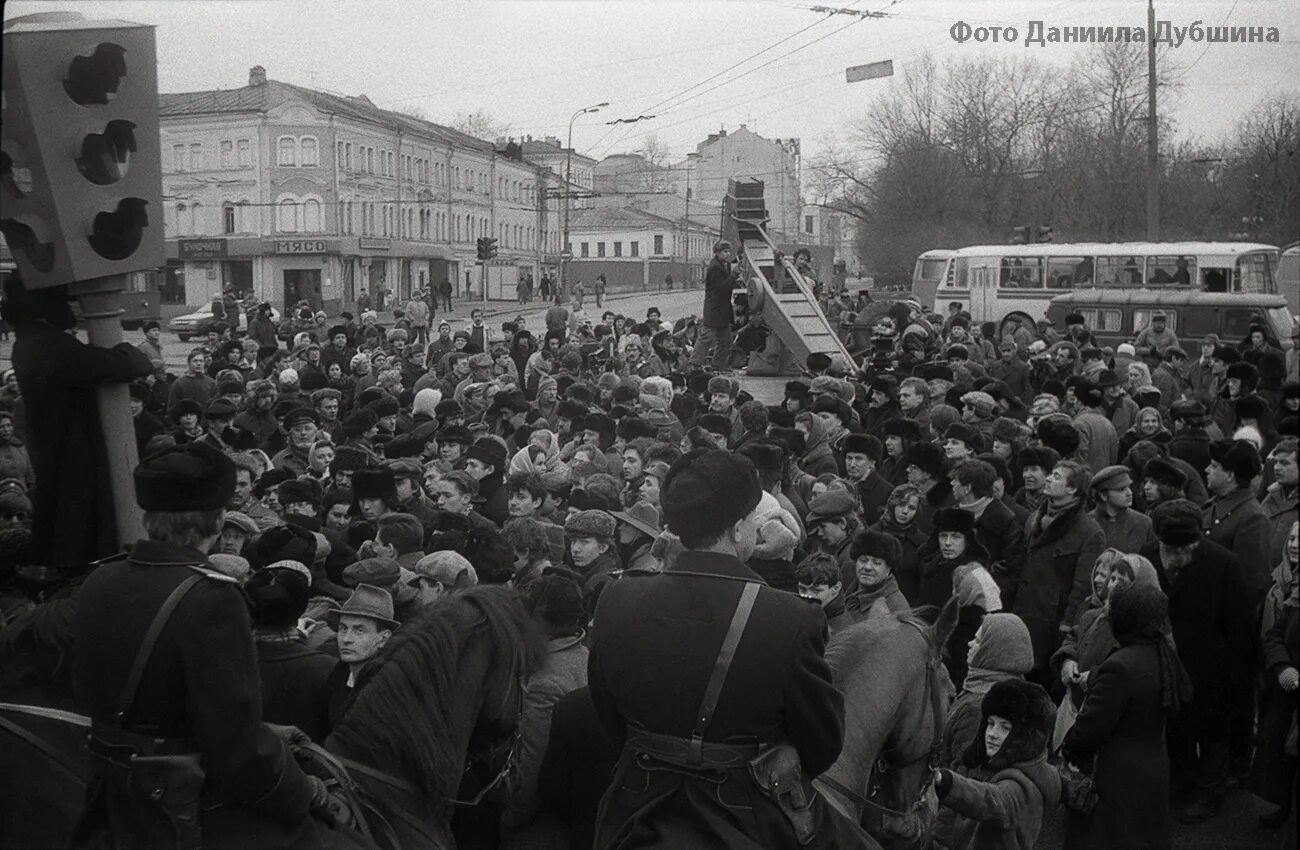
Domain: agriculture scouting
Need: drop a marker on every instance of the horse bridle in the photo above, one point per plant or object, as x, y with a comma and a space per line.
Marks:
883, 764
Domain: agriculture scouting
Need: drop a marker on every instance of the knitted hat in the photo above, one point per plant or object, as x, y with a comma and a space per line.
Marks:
591, 523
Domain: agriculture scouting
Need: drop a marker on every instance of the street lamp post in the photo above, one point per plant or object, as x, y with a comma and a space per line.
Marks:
568, 194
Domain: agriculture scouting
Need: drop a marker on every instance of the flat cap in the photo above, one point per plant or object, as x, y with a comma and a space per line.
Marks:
406, 468
222, 408
1114, 477
832, 504
299, 415
381, 572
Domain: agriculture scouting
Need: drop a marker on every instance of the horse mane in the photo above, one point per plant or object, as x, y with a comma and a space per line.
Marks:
847, 648
405, 712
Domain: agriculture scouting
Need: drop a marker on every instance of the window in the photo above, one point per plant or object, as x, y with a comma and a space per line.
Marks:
1103, 320
586, 248
370, 160
1118, 271
1022, 273
286, 151
178, 157
311, 216
1142, 318
227, 154
635, 249
310, 152
245, 150
600, 249
1171, 271
807, 224
1254, 274
659, 244
618, 249
196, 157
196, 219
1069, 272
286, 220
228, 218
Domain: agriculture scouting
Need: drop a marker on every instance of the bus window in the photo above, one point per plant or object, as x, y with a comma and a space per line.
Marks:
1215, 280
1069, 272
1142, 318
1201, 321
1119, 271
1104, 320
1237, 322
928, 269
1254, 274
1022, 273
960, 278
1171, 271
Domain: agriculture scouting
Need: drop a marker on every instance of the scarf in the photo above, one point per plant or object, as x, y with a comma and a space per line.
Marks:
1049, 512
1139, 616
979, 681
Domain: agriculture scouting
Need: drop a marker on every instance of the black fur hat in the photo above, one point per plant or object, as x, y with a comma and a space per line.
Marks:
1032, 717
927, 457
1058, 433
1040, 456
908, 429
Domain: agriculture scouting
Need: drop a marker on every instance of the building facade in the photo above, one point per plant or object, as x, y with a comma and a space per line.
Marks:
636, 249
295, 194
745, 155
821, 225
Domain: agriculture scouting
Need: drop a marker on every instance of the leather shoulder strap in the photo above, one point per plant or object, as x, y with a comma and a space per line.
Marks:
146, 647
713, 690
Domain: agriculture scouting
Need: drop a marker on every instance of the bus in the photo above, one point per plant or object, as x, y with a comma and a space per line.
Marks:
1289, 276
998, 282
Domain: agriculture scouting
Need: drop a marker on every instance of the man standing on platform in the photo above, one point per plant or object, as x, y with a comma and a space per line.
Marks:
715, 323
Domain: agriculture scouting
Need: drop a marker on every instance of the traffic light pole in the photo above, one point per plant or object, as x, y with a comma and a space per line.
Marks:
101, 307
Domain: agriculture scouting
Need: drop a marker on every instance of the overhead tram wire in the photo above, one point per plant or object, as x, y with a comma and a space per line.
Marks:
669, 110
656, 107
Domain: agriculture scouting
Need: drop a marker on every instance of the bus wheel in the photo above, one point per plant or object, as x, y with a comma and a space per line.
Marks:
1014, 317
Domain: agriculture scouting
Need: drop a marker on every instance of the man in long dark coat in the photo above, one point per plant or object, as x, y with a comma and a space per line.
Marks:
58, 373
655, 644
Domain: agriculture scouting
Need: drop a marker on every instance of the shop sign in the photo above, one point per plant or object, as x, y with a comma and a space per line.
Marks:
302, 246
202, 249
374, 244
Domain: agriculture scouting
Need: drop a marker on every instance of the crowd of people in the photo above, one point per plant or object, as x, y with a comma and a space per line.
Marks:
1119, 529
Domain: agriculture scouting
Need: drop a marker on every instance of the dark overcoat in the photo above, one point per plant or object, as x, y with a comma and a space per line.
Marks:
1120, 730
654, 645
1238, 523
997, 530
200, 688
295, 686
1273, 773
1057, 576
72, 520
1211, 624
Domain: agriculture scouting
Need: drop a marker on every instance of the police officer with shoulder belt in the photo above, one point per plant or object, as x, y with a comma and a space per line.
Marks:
166, 669
715, 686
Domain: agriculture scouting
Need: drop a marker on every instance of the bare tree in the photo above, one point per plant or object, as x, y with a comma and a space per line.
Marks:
654, 173
481, 124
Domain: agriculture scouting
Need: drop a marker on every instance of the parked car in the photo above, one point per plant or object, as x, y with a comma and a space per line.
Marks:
199, 322
1118, 315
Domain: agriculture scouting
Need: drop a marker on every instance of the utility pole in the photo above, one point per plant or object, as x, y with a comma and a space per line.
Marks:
687, 219
568, 195
1153, 161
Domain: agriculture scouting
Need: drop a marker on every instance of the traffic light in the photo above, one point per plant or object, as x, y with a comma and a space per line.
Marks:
1020, 235
1044, 234
487, 247
80, 162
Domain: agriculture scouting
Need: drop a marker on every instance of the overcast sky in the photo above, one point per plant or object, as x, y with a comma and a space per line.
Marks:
532, 63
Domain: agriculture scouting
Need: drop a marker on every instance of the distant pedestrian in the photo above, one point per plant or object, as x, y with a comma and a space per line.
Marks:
715, 324
599, 289
444, 290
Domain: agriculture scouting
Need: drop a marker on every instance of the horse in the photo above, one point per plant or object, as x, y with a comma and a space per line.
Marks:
449, 679
896, 696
